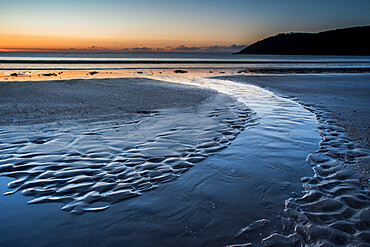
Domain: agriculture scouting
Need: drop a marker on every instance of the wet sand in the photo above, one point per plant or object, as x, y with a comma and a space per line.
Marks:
37, 102
344, 97
93, 166
135, 134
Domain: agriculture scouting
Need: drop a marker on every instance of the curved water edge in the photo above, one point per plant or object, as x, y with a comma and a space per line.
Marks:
261, 168
335, 207
111, 162
258, 170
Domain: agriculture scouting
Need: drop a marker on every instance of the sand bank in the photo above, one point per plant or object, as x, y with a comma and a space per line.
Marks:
341, 106
343, 98
107, 163
346, 97
38, 102
213, 198
135, 134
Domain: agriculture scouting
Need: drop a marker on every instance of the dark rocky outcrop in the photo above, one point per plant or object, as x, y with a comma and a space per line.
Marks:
347, 41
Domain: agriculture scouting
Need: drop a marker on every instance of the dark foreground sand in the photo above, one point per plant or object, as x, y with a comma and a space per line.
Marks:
24, 103
174, 127
108, 163
345, 97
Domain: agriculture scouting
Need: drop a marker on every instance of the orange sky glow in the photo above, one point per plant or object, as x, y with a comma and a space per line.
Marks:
119, 25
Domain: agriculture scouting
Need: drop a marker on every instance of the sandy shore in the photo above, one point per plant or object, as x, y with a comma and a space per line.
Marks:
176, 127
37, 102
135, 134
344, 98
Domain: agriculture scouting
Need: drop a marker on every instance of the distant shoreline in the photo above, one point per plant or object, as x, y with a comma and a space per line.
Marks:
114, 61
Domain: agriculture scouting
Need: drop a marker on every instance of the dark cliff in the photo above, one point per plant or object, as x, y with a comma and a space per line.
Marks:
347, 41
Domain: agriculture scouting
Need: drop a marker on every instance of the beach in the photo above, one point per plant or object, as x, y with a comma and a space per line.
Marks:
140, 131
184, 123
90, 164
230, 159
343, 98
39, 102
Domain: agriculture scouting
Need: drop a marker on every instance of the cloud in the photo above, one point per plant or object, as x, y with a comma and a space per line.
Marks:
215, 48
180, 48
186, 48
141, 49
218, 48
96, 48
237, 47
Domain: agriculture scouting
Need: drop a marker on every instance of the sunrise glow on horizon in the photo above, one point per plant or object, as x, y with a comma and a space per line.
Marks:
112, 25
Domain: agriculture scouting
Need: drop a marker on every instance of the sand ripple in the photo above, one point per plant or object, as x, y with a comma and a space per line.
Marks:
335, 207
111, 162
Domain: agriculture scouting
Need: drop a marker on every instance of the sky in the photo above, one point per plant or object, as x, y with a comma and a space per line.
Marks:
170, 25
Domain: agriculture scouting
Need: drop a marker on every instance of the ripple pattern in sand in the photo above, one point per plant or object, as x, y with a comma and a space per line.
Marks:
335, 207
88, 166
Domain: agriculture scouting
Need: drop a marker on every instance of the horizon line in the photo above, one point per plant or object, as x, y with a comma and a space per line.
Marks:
97, 49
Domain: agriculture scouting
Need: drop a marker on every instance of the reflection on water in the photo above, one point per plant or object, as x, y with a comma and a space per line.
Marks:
66, 61
249, 192
207, 205
111, 162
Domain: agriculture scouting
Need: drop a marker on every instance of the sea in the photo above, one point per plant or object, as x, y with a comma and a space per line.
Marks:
75, 61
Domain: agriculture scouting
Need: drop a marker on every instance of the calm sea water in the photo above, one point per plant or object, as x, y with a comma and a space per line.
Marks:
53, 60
